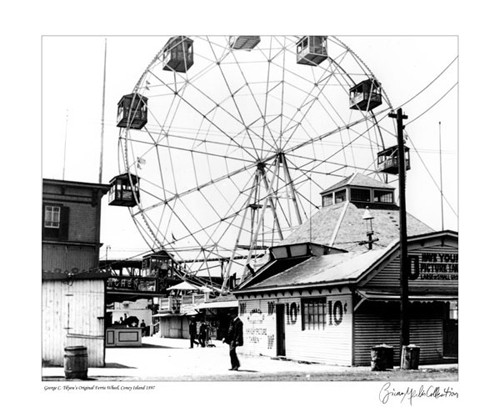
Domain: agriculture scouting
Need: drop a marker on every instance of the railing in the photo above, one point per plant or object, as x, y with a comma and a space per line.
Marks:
183, 304
170, 304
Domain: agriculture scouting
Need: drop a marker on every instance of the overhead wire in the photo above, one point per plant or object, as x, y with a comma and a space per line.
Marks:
435, 103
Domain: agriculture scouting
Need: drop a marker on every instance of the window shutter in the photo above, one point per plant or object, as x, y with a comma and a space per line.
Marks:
63, 230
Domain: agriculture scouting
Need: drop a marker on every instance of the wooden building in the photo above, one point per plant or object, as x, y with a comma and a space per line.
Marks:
334, 308
333, 305
73, 288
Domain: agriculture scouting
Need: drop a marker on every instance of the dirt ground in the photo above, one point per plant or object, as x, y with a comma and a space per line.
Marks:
172, 360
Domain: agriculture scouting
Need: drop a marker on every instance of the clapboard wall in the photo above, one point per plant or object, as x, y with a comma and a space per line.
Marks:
331, 343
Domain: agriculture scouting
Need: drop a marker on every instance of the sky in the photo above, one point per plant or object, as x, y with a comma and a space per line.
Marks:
72, 99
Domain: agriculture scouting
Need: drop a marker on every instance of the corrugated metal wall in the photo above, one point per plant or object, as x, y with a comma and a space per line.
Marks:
63, 323
331, 344
378, 322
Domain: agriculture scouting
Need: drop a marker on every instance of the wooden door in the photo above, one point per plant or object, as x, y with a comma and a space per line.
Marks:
280, 330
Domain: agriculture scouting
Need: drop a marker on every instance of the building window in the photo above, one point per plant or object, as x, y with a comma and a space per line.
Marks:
327, 200
55, 222
313, 313
360, 194
52, 217
340, 196
380, 196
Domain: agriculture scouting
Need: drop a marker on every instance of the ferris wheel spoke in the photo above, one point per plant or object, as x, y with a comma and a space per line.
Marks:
187, 150
308, 105
262, 113
318, 162
266, 125
204, 117
339, 129
238, 110
202, 186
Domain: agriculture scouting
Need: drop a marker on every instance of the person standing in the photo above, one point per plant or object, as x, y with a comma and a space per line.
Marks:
202, 337
192, 333
234, 338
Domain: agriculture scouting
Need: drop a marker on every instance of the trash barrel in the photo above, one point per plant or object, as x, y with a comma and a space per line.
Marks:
382, 357
410, 357
75, 362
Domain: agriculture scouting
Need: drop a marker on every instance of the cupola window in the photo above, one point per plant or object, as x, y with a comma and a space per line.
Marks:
360, 194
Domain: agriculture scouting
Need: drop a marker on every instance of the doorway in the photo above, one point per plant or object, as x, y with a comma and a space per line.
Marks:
450, 331
280, 330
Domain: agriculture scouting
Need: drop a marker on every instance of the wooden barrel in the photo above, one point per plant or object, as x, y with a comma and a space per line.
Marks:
75, 362
410, 357
382, 357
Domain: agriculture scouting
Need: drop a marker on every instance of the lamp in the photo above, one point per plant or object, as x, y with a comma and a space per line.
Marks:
367, 217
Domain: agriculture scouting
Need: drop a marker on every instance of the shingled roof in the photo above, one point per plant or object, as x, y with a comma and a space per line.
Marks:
342, 226
358, 180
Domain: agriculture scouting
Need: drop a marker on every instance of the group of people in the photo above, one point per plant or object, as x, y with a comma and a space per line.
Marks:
198, 337
233, 338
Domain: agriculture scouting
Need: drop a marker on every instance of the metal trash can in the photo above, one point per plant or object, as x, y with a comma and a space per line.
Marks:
75, 362
410, 357
382, 357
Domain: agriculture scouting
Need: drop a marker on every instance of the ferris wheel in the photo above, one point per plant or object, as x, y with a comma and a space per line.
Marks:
226, 142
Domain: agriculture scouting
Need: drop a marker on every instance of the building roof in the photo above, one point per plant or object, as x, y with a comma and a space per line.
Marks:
341, 225
326, 269
79, 184
358, 180
335, 269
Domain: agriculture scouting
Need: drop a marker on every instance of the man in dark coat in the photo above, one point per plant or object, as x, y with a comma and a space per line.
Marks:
192, 332
202, 337
234, 338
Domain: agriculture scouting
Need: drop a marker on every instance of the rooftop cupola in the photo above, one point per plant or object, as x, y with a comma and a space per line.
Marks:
358, 189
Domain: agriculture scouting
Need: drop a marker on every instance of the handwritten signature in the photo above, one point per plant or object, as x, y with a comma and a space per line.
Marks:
388, 392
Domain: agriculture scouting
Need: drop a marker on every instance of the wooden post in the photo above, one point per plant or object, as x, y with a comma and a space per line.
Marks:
405, 325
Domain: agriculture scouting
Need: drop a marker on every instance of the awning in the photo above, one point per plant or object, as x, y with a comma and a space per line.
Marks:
174, 314
412, 298
184, 286
219, 304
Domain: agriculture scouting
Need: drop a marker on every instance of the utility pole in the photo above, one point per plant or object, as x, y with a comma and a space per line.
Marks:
441, 178
102, 112
405, 324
